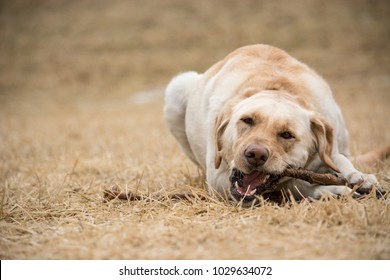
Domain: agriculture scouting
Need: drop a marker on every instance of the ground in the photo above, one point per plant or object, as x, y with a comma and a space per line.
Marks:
81, 102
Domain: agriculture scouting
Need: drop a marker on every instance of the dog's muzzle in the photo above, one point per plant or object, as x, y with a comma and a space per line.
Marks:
245, 187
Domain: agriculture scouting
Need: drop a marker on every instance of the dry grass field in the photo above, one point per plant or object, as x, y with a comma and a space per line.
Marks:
81, 101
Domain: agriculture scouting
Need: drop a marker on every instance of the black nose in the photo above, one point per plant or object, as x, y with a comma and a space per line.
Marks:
256, 155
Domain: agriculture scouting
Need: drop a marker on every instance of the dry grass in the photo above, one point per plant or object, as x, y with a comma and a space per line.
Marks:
71, 125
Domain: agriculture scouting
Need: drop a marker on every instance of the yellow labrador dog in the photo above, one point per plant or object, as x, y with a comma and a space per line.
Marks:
254, 114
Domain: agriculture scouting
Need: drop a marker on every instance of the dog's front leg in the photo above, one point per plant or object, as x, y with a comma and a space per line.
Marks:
366, 182
302, 189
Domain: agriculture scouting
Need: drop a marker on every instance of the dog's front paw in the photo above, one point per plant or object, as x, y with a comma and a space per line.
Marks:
365, 182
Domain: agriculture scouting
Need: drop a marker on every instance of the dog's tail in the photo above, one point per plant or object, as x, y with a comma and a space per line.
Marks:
373, 157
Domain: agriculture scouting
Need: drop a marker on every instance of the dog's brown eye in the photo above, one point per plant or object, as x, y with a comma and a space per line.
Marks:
286, 135
248, 121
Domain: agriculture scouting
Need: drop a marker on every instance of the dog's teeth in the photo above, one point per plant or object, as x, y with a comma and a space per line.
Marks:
267, 177
247, 193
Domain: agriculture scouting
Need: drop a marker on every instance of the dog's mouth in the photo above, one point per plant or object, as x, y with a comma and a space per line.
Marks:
245, 187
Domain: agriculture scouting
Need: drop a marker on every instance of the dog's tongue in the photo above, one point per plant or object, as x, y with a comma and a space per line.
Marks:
253, 180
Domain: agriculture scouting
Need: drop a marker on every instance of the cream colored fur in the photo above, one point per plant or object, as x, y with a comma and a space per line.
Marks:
204, 113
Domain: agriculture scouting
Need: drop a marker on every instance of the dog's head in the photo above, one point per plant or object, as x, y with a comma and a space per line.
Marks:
262, 135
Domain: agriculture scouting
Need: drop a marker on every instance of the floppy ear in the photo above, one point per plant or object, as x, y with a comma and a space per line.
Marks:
220, 126
323, 135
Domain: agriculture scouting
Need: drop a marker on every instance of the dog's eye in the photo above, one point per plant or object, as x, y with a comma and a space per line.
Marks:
248, 121
286, 135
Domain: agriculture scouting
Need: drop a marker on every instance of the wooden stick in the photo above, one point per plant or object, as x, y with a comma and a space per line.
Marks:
298, 173
313, 177
115, 192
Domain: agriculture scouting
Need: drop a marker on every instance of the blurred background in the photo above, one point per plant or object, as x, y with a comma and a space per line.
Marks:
59, 51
